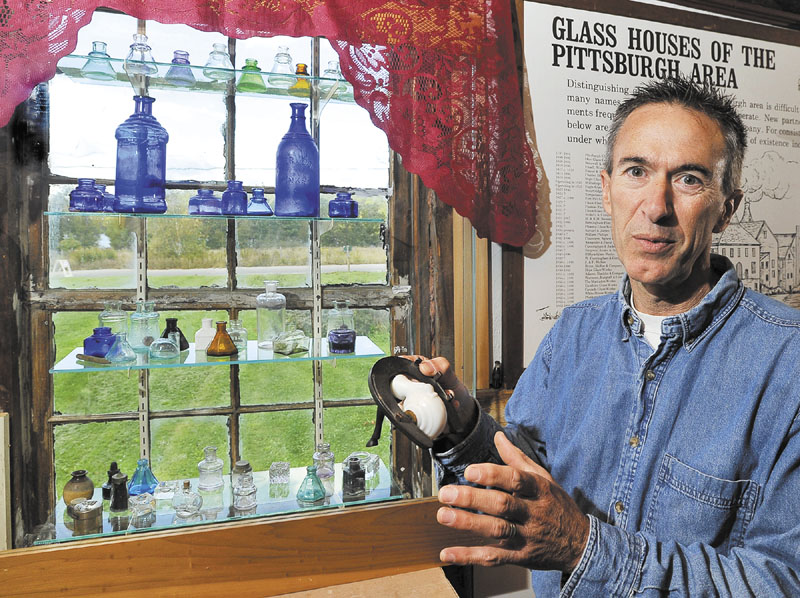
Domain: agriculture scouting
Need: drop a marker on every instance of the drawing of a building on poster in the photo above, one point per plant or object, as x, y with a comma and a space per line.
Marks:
581, 65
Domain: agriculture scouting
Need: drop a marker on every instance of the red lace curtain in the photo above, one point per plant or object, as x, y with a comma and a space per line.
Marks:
439, 78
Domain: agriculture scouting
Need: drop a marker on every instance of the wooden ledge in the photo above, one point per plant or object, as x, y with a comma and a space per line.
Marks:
262, 557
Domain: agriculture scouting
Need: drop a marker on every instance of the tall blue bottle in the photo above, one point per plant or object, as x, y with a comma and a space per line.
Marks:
141, 161
297, 170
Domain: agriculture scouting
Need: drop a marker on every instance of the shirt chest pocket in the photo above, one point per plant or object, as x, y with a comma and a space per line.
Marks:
691, 506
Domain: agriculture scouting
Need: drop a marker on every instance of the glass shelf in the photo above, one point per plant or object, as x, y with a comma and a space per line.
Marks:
273, 499
191, 358
215, 217
71, 65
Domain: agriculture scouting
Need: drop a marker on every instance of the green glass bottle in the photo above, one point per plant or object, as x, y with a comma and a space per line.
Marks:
251, 79
311, 490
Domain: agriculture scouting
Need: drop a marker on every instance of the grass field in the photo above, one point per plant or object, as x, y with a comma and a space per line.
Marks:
177, 443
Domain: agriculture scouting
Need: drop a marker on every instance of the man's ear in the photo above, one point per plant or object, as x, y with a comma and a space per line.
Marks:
729, 208
605, 183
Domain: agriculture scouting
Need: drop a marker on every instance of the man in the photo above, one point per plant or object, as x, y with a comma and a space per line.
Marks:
653, 444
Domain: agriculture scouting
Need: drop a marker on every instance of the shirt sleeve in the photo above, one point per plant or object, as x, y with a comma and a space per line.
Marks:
616, 562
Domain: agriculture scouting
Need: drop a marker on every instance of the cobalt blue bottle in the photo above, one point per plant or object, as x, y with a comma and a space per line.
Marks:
205, 203
258, 205
234, 199
98, 344
141, 161
85, 197
297, 170
108, 199
343, 206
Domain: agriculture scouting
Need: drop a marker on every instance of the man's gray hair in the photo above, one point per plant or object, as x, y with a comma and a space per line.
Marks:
705, 99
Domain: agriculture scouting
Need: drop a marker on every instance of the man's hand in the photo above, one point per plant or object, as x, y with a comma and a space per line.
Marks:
536, 524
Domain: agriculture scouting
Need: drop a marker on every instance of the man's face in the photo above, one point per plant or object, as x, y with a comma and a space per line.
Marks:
664, 196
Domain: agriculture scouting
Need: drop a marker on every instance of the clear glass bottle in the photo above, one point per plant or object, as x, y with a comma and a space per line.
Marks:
324, 462
311, 490
244, 492
144, 326
85, 197
210, 470
297, 169
99, 342
142, 480
180, 73
108, 198
239, 468
141, 162
187, 504
341, 329
282, 75
163, 349
139, 64
205, 335
238, 334
143, 510
331, 83
205, 203
121, 351
343, 206
258, 205
219, 67
221, 345
251, 79
172, 326
301, 87
270, 314
98, 66
234, 199
113, 316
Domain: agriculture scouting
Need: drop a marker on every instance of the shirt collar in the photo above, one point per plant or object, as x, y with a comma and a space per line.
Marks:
693, 325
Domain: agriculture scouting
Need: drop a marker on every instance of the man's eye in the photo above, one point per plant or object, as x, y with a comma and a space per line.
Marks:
636, 171
690, 180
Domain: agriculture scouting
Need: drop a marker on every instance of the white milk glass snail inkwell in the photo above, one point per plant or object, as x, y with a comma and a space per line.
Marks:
414, 403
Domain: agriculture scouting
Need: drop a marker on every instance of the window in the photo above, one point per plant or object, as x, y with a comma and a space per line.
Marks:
195, 268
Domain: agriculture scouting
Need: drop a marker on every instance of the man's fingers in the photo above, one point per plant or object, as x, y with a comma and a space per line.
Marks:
494, 528
488, 556
485, 500
513, 457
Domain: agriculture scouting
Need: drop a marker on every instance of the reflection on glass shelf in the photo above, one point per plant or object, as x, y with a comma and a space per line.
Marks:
216, 216
191, 358
336, 89
272, 499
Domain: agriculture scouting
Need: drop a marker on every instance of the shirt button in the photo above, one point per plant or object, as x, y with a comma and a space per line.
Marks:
619, 507
649, 375
634, 441
629, 320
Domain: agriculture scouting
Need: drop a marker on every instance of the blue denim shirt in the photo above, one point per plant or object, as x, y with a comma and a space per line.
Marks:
686, 458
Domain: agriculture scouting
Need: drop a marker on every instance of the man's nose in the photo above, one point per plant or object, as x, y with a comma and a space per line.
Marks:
657, 204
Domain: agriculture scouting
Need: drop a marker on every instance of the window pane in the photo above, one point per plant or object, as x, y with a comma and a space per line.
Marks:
177, 444
89, 251
353, 252
185, 252
278, 436
273, 250
186, 388
92, 392
349, 428
352, 151
93, 447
